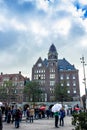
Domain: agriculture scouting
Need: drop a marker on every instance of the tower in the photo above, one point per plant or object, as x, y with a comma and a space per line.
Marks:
52, 54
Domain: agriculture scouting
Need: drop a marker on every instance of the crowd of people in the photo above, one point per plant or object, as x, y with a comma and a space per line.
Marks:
15, 115
11, 115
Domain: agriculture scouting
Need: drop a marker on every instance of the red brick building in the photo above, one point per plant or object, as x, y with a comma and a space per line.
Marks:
13, 85
53, 70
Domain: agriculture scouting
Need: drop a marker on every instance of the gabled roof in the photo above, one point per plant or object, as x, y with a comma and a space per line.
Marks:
39, 60
11, 76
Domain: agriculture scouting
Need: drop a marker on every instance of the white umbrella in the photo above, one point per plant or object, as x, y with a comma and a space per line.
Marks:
1, 104
56, 107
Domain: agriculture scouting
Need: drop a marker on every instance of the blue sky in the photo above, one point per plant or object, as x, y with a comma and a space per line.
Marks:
29, 27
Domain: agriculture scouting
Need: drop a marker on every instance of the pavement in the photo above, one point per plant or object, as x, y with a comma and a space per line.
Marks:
41, 124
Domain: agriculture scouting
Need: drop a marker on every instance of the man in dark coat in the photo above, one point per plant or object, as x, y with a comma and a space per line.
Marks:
17, 118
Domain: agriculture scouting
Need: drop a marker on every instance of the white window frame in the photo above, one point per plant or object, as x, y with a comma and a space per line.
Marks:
52, 76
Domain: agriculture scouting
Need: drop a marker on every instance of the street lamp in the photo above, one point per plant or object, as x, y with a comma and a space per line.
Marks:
84, 79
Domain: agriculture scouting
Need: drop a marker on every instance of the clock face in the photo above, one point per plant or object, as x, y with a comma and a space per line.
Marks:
39, 64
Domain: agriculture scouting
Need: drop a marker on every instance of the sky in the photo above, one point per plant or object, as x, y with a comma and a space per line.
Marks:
29, 27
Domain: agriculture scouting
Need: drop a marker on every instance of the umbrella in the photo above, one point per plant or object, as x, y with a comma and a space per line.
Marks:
42, 108
56, 107
77, 108
1, 104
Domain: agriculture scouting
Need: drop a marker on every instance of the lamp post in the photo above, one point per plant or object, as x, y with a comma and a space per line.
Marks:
84, 79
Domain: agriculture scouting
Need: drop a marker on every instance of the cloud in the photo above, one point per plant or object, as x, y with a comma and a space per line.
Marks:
29, 27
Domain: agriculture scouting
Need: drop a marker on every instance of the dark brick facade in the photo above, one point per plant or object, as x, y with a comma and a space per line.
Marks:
53, 70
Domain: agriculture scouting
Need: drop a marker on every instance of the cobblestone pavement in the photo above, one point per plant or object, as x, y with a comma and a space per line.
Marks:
40, 124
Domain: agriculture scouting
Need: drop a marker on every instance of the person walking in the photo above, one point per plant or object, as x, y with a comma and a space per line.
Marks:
13, 111
1, 125
48, 113
31, 115
27, 114
9, 115
56, 114
36, 111
62, 115
17, 118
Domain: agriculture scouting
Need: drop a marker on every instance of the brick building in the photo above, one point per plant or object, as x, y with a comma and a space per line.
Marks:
13, 85
53, 70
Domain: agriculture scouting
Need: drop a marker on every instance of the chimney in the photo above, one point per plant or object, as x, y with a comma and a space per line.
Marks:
20, 72
1, 73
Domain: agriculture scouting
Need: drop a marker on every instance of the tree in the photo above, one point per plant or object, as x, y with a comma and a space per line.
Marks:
79, 120
60, 93
3, 93
84, 101
7, 91
32, 91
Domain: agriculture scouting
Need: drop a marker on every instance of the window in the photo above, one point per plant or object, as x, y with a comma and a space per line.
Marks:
68, 69
42, 76
61, 77
52, 70
61, 69
6, 79
68, 84
16, 78
52, 76
15, 91
5, 85
39, 71
15, 83
21, 84
73, 77
62, 84
44, 71
67, 76
39, 64
35, 71
51, 64
35, 76
74, 91
51, 90
42, 82
74, 83
52, 83
39, 76
68, 91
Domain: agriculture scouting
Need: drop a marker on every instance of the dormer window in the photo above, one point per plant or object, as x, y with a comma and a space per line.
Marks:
39, 64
